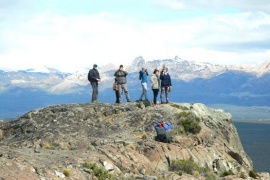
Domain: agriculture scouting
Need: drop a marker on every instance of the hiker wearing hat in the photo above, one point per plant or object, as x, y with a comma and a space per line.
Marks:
94, 78
121, 78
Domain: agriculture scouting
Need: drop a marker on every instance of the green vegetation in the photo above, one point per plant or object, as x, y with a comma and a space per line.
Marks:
189, 122
210, 175
66, 172
99, 172
252, 173
227, 173
243, 176
190, 167
47, 146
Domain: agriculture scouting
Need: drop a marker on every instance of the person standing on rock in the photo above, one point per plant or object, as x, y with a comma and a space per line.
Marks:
155, 84
121, 77
165, 85
94, 78
143, 77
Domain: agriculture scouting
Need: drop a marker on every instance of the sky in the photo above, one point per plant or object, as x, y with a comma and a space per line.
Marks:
70, 35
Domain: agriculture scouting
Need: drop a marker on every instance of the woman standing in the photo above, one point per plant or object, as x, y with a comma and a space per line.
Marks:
165, 84
155, 85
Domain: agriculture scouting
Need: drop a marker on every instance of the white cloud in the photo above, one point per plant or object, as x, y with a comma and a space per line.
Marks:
77, 41
245, 5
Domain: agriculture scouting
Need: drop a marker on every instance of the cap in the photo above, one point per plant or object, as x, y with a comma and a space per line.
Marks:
95, 65
121, 66
159, 121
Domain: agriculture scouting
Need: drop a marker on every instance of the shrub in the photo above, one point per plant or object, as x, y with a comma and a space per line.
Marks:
190, 167
144, 136
47, 146
186, 166
243, 176
190, 122
66, 172
210, 175
252, 173
99, 172
227, 173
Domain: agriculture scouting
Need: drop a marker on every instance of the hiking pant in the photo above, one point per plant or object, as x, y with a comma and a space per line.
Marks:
144, 91
95, 91
155, 92
117, 96
124, 87
164, 89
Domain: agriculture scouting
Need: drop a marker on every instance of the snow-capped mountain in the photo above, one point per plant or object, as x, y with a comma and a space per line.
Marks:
245, 85
54, 81
188, 70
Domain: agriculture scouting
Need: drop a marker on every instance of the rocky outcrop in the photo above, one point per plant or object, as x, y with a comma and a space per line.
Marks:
58, 141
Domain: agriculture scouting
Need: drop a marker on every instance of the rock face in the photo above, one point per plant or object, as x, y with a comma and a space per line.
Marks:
57, 142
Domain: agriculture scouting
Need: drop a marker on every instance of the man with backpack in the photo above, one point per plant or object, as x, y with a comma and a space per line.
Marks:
94, 78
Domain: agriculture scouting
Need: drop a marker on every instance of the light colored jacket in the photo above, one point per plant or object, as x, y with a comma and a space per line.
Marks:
155, 82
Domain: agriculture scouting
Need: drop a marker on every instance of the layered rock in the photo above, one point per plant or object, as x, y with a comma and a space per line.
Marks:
49, 142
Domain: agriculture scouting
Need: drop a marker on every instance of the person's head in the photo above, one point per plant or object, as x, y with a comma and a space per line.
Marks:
156, 72
95, 66
121, 67
164, 70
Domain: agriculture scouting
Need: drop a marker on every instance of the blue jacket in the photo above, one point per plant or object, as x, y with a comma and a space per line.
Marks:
143, 76
167, 126
165, 80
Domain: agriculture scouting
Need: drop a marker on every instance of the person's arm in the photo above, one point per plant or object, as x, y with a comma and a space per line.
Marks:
161, 76
170, 82
125, 72
140, 75
152, 79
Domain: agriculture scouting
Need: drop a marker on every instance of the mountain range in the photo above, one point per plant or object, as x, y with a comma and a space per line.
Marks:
241, 85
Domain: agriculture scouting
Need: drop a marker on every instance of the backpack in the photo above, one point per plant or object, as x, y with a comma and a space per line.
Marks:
162, 135
115, 86
161, 130
89, 76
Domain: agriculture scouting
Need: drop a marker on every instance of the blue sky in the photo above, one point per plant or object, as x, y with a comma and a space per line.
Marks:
72, 35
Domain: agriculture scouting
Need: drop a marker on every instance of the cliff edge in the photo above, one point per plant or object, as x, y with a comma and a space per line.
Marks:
116, 141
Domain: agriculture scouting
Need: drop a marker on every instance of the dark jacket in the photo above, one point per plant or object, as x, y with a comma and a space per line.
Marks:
165, 80
93, 75
121, 76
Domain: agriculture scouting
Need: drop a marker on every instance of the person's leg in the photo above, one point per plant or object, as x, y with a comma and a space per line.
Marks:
95, 91
161, 94
167, 94
117, 97
120, 93
126, 92
154, 97
142, 92
155, 92
145, 90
